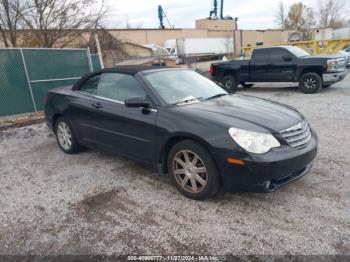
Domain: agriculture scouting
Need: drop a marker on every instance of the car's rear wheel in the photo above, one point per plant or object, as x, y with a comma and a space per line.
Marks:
310, 83
193, 170
65, 136
230, 83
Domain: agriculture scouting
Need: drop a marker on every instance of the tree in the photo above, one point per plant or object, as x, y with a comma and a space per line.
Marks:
302, 19
10, 20
60, 22
309, 22
295, 18
108, 43
330, 13
280, 15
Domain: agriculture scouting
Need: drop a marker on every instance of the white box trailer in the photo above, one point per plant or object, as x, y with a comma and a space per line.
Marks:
199, 46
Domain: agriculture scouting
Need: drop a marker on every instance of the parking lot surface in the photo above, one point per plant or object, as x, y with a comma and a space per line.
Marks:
98, 203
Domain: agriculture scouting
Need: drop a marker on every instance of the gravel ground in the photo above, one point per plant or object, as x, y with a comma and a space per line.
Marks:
98, 203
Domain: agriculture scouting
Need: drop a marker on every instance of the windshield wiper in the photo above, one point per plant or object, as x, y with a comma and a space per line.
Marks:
216, 96
188, 100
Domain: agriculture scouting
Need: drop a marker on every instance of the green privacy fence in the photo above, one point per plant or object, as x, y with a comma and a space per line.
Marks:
27, 74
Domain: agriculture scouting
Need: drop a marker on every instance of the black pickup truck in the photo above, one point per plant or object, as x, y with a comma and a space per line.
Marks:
281, 64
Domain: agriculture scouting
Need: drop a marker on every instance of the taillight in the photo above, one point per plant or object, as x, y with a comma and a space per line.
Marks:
211, 70
45, 100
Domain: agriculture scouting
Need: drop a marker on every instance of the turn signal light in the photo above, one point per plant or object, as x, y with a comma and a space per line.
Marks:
235, 161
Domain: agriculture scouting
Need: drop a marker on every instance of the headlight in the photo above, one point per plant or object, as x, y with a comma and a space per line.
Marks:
254, 142
332, 65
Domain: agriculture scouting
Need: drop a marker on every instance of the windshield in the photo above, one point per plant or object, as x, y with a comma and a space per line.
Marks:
176, 86
298, 52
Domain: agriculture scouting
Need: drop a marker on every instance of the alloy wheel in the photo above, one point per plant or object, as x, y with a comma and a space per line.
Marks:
228, 84
310, 83
189, 171
64, 135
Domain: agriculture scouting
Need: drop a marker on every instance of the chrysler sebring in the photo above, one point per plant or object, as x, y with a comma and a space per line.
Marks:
187, 126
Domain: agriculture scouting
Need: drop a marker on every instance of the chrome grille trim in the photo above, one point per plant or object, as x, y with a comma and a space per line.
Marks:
287, 134
298, 135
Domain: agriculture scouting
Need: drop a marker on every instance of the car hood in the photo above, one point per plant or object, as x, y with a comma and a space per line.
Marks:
326, 57
245, 112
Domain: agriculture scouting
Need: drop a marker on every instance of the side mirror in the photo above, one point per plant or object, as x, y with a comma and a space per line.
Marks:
287, 58
137, 102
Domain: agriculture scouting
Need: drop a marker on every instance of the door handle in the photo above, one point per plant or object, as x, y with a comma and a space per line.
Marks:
96, 105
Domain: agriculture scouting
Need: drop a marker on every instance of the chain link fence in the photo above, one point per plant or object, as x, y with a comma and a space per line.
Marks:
26, 74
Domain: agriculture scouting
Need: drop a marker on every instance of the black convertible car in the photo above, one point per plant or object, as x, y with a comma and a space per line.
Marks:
187, 126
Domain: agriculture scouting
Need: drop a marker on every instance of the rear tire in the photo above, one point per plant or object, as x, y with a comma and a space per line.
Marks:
230, 83
310, 83
65, 137
193, 170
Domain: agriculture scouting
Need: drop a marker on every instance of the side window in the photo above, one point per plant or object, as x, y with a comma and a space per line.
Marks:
276, 54
90, 86
119, 87
261, 56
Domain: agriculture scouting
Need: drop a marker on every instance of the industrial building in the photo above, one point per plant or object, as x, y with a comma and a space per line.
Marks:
204, 28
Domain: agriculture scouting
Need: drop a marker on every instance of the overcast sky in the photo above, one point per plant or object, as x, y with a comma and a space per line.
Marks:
253, 14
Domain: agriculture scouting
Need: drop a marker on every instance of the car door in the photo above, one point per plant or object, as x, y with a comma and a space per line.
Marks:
282, 66
259, 65
81, 111
124, 130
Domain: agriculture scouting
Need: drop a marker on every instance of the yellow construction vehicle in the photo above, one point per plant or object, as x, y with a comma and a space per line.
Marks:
314, 47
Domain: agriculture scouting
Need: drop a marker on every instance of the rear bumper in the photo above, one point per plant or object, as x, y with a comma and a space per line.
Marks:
334, 77
269, 172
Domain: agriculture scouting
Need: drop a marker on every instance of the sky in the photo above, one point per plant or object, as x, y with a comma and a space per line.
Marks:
252, 14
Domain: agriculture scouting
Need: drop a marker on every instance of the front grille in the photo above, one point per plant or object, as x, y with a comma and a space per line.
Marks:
341, 64
297, 136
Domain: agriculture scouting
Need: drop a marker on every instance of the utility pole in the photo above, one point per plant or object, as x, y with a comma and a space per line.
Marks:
234, 37
98, 47
241, 37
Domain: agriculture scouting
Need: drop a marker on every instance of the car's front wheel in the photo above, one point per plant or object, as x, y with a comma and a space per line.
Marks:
310, 83
193, 170
65, 136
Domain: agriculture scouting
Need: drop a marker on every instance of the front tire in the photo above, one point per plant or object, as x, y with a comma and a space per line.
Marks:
193, 170
65, 137
310, 83
230, 83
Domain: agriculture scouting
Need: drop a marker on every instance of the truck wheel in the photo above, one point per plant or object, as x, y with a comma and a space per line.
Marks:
310, 83
246, 85
230, 83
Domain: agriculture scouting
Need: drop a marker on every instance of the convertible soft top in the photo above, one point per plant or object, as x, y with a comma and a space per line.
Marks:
132, 69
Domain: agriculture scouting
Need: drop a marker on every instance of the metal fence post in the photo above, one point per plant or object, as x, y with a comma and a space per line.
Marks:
28, 79
98, 46
89, 59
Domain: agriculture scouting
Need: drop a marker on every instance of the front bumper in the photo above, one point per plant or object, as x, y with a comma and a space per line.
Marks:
334, 77
268, 172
